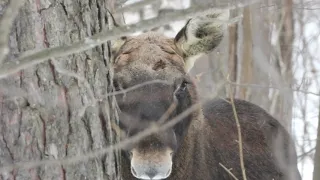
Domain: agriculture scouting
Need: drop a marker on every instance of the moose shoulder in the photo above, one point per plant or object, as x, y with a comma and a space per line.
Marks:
197, 146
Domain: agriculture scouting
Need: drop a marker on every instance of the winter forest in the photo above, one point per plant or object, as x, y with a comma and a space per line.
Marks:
57, 113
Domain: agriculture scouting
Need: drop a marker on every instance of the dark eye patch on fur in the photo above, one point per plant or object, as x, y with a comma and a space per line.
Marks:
182, 85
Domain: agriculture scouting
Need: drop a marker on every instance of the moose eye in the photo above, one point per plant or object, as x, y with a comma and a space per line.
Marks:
184, 85
116, 85
181, 89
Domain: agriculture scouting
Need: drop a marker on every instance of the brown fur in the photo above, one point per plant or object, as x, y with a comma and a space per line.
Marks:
205, 138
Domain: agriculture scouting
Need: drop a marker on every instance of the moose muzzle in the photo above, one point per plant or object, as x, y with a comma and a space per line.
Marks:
153, 165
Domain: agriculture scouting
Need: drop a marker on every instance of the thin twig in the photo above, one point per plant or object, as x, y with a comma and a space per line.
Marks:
95, 154
104, 36
307, 153
81, 79
228, 171
109, 149
94, 101
120, 133
124, 91
267, 87
273, 87
6, 23
239, 133
137, 6
166, 115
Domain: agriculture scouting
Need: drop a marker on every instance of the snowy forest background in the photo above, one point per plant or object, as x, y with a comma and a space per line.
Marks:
270, 53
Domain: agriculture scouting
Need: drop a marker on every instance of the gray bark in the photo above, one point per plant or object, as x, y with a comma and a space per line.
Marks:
285, 62
40, 108
316, 169
261, 39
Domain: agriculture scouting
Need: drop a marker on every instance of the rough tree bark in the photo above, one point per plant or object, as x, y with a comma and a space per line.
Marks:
43, 112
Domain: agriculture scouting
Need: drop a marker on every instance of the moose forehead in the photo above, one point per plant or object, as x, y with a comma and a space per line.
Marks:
149, 51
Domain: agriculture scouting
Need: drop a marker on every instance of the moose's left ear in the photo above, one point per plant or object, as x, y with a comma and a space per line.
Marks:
201, 35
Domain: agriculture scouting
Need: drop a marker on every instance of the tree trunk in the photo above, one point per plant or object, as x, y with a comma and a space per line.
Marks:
261, 39
45, 113
246, 61
286, 43
232, 52
316, 169
284, 100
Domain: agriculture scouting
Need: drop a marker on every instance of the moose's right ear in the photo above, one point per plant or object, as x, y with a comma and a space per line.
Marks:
117, 44
201, 35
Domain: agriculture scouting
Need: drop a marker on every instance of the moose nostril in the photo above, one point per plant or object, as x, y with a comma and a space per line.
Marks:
168, 173
133, 171
151, 173
116, 85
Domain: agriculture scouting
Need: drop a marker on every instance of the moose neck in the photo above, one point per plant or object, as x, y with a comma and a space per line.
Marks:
185, 158
190, 147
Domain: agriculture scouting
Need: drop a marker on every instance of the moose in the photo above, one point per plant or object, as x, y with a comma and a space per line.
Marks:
204, 141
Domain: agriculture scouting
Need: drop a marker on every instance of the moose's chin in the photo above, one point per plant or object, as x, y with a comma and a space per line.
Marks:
151, 174
152, 163
158, 177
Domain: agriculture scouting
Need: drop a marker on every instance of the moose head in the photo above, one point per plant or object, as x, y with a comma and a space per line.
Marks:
149, 57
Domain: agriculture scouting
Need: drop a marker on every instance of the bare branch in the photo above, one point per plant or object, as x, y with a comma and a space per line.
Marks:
137, 6
166, 115
124, 91
307, 153
316, 173
94, 154
239, 133
6, 23
228, 171
122, 144
80, 78
94, 100
273, 87
104, 36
